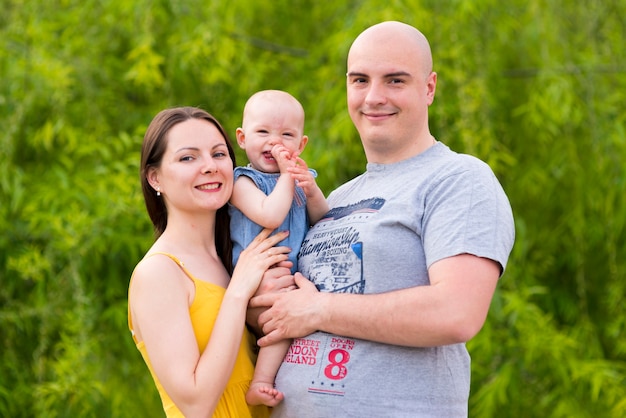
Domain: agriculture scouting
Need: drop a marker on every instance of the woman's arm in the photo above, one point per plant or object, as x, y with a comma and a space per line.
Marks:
160, 299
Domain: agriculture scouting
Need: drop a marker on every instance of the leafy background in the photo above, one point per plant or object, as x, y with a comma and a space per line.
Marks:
536, 88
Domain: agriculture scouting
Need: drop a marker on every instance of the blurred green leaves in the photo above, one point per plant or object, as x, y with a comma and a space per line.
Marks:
535, 88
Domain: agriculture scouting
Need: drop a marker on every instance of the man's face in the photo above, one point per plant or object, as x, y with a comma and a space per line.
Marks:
389, 92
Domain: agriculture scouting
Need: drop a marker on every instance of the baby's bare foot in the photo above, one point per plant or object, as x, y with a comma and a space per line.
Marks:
263, 393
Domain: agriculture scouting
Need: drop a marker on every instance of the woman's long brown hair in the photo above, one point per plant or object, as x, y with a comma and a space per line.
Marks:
152, 150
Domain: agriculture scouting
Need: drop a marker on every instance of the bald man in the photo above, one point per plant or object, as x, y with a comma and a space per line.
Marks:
402, 270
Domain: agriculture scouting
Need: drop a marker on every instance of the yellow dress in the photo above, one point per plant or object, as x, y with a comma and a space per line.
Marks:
203, 312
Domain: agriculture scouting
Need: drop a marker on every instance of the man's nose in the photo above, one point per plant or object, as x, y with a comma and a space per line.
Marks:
375, 94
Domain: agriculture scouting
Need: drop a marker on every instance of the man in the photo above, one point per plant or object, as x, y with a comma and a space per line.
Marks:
406, 261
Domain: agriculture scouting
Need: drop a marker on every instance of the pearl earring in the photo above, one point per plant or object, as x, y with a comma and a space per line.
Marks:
158, 192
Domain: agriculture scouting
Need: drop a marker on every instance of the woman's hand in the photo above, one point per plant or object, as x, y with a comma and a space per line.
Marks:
253, 261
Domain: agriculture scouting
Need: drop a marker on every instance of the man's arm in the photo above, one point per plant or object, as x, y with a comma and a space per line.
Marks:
451, 310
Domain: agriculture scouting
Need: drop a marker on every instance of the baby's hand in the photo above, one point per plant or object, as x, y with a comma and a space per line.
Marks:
284, 158
303, 177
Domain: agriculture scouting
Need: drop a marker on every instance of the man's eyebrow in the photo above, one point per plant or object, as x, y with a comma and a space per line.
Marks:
390, 75
356, 74
398, 74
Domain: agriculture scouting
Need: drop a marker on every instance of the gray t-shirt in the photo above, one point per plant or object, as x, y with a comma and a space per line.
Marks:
384, 229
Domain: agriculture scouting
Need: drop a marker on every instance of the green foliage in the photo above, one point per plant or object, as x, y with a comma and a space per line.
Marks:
535, 88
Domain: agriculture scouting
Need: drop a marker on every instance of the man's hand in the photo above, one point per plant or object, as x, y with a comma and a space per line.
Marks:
275, 279
291, 314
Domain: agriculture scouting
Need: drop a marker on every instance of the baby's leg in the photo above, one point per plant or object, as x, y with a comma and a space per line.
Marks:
262, 389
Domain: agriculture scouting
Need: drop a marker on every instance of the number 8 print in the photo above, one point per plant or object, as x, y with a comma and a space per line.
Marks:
336, 369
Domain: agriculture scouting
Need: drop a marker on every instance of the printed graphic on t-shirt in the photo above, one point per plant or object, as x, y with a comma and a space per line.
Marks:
331, 256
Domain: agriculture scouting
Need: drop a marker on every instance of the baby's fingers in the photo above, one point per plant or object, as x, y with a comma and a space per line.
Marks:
301, 162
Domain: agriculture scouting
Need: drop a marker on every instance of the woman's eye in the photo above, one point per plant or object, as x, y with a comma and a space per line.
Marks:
186, 158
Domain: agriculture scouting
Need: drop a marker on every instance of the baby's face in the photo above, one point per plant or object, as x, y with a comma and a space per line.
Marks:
269, 124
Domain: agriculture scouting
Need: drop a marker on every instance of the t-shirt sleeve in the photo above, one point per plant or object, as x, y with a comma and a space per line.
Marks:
467, 212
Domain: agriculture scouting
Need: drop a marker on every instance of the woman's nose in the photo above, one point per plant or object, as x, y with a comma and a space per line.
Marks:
209, 166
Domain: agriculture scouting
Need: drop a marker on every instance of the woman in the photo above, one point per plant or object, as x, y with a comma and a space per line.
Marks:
186, 313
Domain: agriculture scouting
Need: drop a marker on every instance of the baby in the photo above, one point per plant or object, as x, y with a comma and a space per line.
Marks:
276, 190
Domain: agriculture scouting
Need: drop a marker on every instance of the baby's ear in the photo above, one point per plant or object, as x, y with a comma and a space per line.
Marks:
303, 142
241, 138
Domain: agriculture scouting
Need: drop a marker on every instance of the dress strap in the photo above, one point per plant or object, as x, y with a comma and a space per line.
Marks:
172, 256
177, 261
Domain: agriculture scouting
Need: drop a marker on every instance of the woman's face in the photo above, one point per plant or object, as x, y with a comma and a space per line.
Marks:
196, 172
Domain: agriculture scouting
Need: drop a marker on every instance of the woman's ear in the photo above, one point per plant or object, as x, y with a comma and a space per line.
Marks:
153, 178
